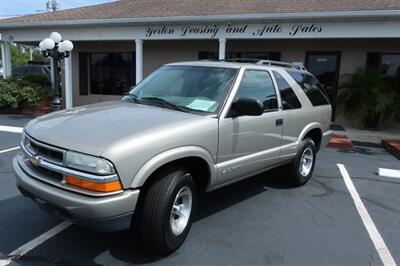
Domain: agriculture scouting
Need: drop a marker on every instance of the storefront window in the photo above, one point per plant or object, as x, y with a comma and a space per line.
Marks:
387, 63
109, 73
276, 56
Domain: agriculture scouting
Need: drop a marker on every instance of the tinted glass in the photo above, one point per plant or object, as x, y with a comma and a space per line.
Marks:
324, 67
289, 98
311, 87
200, 89
83, 74
386, 64
258, 84
111, 73
391, 64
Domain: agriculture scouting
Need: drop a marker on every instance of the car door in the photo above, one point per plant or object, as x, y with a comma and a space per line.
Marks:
249, 144
293, 114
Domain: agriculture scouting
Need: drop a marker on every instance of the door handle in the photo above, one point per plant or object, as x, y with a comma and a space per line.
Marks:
279, 122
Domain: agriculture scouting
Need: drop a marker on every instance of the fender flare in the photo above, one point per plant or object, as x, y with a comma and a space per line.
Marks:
171, 155
308, 128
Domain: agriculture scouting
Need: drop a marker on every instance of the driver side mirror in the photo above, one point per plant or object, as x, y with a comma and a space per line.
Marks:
247, 106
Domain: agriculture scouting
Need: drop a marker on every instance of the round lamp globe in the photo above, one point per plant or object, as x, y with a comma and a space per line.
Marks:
48, 44
56, 37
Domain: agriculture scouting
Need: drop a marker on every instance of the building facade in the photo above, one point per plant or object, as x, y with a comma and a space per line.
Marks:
117, 44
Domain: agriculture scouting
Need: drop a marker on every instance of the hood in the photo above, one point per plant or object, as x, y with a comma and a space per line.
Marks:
93, 128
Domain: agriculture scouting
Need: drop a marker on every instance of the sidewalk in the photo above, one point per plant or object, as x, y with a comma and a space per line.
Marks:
350, 137
369, 136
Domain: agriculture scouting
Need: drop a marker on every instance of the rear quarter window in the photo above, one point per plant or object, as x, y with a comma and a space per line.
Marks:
289, 98
311, 87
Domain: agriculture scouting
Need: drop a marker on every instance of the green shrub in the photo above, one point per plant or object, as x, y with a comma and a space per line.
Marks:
40, 82
369, 98
8, 95
36, 79
28, 91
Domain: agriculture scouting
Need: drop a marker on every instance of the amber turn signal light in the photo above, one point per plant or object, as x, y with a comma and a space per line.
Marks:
90, 185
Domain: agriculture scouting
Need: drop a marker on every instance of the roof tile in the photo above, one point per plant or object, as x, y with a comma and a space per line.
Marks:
168, 8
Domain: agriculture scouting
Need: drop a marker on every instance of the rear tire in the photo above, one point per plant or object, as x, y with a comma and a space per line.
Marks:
301, 168
168, 209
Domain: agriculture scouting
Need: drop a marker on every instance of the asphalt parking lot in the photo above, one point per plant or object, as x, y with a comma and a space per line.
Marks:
260, 221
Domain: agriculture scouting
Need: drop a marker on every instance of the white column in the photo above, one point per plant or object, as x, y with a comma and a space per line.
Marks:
3, 59
52, 72
30, 53
6, 59
139, 60
222, 47
68, 83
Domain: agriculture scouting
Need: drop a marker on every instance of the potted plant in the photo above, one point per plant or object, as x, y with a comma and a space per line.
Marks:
368, 98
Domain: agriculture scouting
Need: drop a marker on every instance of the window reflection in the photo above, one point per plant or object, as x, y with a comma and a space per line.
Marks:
258, 84
111, 73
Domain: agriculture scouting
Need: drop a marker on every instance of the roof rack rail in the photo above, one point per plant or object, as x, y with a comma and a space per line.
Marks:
265, 62
242, 60
283, 64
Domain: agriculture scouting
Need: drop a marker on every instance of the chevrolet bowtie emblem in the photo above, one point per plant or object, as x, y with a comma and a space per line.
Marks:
35, 160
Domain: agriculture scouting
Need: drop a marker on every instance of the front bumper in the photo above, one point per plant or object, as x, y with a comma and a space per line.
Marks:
108, 213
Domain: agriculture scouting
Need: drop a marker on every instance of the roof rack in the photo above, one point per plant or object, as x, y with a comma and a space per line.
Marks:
266, 62
283, 64
242, 60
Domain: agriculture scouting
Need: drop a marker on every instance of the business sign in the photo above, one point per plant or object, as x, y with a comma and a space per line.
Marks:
233, 31
206, 31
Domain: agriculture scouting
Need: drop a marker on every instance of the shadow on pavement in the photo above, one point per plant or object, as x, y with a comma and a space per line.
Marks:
365, 150
126, 246
21, 221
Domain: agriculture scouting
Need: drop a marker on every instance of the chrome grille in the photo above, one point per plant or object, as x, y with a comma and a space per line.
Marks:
49, 174
46, 152
45, 163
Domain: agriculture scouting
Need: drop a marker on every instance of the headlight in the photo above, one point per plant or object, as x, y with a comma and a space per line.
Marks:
88, 163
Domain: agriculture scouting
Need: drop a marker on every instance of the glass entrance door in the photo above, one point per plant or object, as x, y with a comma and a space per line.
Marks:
325, 66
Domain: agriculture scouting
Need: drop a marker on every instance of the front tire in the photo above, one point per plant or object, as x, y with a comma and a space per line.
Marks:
301, 168
168, 209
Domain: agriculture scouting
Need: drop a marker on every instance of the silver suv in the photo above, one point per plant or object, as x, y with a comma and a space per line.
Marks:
186, 129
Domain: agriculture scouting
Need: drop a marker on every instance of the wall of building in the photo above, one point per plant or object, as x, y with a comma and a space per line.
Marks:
157, 53
353, 51
353, 55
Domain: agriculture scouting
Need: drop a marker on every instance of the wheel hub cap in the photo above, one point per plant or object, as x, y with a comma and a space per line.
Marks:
306, 161
181, 210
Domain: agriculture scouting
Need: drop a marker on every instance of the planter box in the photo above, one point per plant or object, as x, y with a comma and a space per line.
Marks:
341, 142
392, 146
42, 108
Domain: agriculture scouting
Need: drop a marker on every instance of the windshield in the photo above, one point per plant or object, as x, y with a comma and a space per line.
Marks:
193, 88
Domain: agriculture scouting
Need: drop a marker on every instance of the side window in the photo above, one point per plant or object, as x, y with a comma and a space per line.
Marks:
311, 87
289, 98
258, 84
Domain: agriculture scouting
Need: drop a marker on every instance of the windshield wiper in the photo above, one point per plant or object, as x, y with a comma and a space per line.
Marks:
132, 98
165, 103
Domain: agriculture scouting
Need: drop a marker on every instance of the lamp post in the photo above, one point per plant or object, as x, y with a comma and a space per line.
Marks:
54, 47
